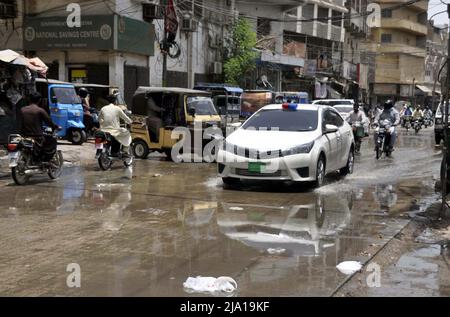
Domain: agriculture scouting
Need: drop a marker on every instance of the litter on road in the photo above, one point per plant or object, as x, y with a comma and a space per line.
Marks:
349, 267
201, 284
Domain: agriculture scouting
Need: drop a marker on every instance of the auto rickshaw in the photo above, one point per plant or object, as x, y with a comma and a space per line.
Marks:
157, 111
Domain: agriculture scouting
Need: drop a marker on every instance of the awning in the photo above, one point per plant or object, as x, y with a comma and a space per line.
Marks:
35, 64
425, 89
333, 94
267, 56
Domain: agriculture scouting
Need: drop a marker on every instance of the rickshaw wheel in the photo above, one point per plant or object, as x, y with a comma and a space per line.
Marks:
140, 149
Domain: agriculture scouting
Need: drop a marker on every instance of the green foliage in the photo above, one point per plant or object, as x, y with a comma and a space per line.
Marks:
241, 56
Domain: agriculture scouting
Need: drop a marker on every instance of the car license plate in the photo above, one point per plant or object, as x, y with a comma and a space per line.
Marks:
99, 146
256, 167
13, 156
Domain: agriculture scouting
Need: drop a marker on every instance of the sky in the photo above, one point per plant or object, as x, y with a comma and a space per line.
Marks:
435, 6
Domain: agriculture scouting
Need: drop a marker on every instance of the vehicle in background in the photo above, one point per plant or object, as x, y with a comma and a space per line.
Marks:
292, 97
253, 100
64, 106
152, 130
98, 94
288, 142
439, 123
334, 102
226, 99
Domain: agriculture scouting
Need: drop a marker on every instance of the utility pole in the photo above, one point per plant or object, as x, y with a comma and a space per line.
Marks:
445, 117
164, 46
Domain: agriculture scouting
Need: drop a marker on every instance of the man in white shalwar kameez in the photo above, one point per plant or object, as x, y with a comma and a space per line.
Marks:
109, 119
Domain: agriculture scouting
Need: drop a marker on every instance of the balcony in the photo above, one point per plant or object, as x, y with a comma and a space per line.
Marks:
404, 25
322, 30
418, 6
402, 49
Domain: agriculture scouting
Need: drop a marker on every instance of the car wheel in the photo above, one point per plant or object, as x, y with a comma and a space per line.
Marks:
348, 169
320, 172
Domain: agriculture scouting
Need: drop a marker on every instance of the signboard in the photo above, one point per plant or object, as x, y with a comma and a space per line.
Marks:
53, 33
310, 67
99, 32
135, 36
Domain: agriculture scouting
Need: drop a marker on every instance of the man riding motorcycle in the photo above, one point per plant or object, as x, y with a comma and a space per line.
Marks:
389, 113
354, 118
33, 120
109, 119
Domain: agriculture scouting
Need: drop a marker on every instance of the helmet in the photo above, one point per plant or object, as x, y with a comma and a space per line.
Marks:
388, 104
83, 92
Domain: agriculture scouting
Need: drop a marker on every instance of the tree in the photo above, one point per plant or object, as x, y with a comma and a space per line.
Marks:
241, 55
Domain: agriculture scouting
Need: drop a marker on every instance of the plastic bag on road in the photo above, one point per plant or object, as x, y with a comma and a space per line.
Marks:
202, 284
349, 267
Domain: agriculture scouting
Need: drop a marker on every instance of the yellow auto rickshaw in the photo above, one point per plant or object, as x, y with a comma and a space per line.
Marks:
157, 111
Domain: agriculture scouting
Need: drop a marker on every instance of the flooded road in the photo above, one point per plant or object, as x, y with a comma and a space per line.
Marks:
143, 231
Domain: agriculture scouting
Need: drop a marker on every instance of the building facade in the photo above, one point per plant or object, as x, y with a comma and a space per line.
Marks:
399, 45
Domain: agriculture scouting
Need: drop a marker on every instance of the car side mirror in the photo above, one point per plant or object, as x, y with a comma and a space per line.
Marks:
191, 112
331, 128
54, 99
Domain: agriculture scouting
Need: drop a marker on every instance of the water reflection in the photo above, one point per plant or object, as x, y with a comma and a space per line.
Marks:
385, 196
305, 229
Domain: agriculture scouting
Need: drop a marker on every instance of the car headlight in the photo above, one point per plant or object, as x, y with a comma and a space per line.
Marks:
304, 148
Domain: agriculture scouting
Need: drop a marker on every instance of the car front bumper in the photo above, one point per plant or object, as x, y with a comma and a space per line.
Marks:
297, 168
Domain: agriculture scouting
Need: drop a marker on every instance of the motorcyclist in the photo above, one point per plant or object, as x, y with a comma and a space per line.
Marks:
406, 113
417, 114
33, 120
357, 115
109, 119
389, 113
88, 118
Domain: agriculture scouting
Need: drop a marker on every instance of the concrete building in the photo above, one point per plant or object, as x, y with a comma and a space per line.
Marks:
400, 48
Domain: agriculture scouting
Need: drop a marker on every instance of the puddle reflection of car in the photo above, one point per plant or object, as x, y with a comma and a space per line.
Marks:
299, 229
288, 142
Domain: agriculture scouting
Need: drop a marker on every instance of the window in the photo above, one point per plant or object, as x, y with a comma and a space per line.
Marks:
8, 9
283, 120
386, 38
337, 18
386, 13
332, 117
263, 26
322, 15
198, 8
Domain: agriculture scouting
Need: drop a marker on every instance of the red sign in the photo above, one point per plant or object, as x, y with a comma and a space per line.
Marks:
170, 21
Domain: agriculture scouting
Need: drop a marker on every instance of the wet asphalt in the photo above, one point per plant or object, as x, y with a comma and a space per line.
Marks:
144, 230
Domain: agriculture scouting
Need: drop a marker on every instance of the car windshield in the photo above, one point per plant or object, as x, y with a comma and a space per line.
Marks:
202, 106
343, 109
283, 120
66, 95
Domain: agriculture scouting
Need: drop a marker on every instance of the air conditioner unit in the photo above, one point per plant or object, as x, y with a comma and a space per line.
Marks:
188, 25
151, 12
216, 68
8, 11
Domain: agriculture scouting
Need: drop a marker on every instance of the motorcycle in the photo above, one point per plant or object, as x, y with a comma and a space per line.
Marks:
108, 150
358, 133
417, 125
428, 122
27, 157
383, 140
407, 122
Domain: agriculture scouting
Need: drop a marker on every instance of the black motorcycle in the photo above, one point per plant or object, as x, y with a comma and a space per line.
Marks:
27, 157
110, 150
417, 125
383, 139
